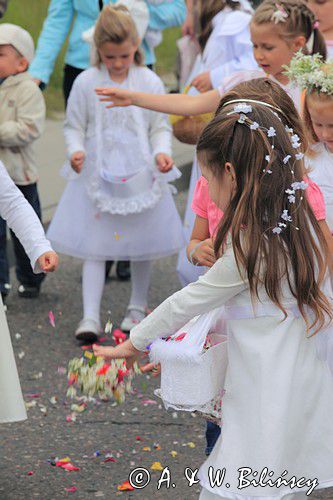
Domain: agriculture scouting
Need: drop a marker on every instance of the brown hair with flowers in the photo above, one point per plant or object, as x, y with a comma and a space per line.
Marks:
257, 143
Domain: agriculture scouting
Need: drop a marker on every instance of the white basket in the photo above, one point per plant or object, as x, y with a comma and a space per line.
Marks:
191, 377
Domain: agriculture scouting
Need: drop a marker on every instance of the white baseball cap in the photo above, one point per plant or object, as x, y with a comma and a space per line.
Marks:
19, 38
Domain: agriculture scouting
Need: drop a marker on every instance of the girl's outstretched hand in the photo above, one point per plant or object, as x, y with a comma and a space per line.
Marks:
164, 162
48, 262
115, 96
124, 350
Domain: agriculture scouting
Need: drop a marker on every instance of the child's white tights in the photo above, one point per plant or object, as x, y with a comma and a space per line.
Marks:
93, 278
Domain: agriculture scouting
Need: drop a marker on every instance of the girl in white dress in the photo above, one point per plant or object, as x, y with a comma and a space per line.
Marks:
22, 219
318, 116
118, 205
278, 31
271, 277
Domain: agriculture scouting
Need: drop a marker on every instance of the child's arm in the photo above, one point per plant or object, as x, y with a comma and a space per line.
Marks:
22, 219
177, 104
200, 250
29, 122
212, 290
76, 124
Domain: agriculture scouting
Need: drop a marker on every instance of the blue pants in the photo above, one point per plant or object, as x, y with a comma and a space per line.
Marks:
24, 272
213, 432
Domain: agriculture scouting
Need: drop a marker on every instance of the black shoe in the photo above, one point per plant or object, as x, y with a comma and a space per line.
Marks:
108, 267
123, 270
28, 292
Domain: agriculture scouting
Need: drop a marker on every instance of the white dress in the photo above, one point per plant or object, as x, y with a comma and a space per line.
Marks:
321, 171
22, 219
278, 405
228, 50
120, 206
186, 271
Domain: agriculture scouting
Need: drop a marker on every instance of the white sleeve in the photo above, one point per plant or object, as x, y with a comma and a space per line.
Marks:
22, 219
160, 130
222, 282
76, 118
243, 59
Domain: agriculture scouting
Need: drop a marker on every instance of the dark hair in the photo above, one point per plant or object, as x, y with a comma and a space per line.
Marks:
300, 21
300, 255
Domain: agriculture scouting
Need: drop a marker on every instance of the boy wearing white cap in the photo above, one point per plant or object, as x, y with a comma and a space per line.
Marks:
22, 117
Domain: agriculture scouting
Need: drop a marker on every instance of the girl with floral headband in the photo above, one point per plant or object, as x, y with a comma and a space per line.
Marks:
323, 10
316, 78
271, 275
278, 31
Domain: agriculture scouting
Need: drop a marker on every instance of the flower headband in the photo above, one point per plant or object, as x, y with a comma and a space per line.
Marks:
311, 73
243, 108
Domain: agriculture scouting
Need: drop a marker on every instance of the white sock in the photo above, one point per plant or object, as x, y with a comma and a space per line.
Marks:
140, 272
93, 279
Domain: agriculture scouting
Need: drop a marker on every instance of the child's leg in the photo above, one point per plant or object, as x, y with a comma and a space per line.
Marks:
30, 282
140, 271
213, 432
93, 277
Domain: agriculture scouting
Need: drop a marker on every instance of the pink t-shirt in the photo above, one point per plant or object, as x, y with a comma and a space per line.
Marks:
204, 207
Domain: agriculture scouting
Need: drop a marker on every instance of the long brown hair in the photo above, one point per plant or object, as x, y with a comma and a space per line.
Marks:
208, 10
299, 254
300, 21
116, 25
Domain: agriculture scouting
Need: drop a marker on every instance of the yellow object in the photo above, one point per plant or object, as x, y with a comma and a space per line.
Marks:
205, 117
88, 354
191, 445
146, 448
156, 466
173, 453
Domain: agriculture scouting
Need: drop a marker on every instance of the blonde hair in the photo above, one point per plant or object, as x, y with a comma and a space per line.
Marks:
315, 96
300, 21
115, 25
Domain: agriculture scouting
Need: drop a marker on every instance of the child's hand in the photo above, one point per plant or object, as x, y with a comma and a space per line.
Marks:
153, 368
48, 262
164, 162
202, 82
124, 350
204, 254
115, 96
77, 160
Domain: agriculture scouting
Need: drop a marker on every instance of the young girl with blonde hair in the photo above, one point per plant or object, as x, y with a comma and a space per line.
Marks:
117, 204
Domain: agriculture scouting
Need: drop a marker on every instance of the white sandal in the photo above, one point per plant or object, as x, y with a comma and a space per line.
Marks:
129, 322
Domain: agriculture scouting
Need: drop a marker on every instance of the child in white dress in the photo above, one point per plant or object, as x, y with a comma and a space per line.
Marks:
22, 219
318, 116
118, 204
271, 277
278, 31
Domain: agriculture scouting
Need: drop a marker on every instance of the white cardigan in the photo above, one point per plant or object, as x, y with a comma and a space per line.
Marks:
84, 110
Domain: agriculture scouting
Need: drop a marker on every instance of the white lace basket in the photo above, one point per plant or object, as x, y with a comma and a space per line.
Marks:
190, 376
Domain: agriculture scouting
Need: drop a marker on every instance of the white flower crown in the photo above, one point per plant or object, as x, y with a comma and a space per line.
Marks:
311, 73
